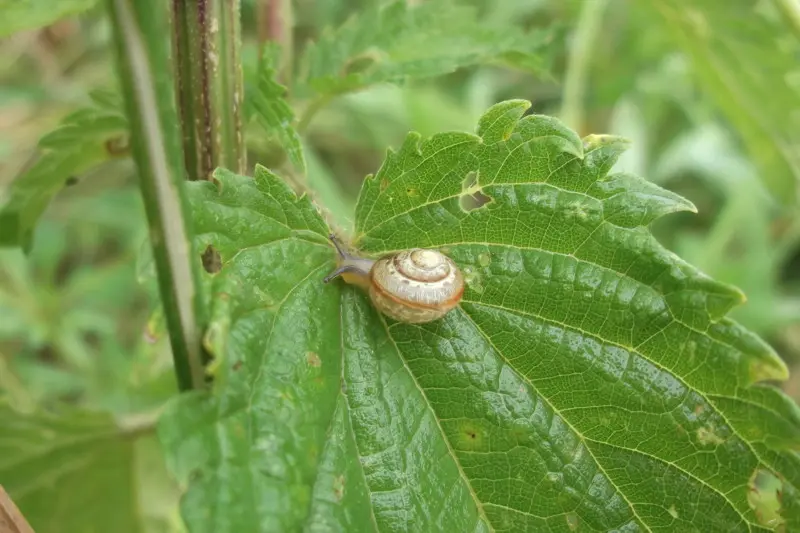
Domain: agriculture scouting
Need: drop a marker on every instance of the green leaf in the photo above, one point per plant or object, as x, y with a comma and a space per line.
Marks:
76, 470
590, 379
21, 15
267, 101
394, 42
82, 140
745, 55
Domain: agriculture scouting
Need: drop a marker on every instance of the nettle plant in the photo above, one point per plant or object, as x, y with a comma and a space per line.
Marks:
587, 380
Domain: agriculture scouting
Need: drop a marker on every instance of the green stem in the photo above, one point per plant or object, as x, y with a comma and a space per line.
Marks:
207, 43
578, 63
275, 24
140, 31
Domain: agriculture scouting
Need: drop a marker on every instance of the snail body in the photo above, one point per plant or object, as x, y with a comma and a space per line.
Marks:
412, 286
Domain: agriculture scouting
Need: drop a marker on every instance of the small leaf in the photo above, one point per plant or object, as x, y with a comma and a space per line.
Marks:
21, 15
589, 379
82, 140
397, 41
75, 471
267, 101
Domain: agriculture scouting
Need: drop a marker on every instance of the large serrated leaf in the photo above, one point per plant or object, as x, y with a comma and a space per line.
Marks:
82, 140
397, 41
589, 380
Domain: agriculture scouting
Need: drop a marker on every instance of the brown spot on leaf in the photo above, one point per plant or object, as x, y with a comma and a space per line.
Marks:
313, 359
237, 365
471, 436
572, 521
118, 146
708, 436
361, 63
212, 261
338, 487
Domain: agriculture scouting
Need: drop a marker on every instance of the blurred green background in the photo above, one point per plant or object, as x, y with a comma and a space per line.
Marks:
709, 99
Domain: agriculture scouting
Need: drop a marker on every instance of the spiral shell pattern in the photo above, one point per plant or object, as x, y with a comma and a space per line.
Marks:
416, 285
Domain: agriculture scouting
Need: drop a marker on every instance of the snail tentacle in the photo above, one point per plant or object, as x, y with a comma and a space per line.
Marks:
342, 270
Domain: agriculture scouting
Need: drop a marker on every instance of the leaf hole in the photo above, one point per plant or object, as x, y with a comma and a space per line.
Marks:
764, 496
472, 196
212, 261
470, 182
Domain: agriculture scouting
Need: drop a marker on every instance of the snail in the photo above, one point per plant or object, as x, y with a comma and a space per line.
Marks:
412, 286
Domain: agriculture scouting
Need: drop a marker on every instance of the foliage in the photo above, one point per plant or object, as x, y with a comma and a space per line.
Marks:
743, 55
395, 42
84, 139
267, 102
86, 455
584, 358
574, 359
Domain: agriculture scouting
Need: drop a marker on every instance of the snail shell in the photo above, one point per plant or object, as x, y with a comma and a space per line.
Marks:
412, 286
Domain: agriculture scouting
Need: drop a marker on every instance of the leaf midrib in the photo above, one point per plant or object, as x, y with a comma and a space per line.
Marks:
556, 411
462, 475
347, 414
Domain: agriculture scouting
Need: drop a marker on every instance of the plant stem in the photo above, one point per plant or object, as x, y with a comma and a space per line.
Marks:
578, 63
275, 24
207, 43
140, 31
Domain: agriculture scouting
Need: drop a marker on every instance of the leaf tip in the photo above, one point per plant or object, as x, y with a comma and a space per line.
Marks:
770, 367
602, 140
412, 143
500, 120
